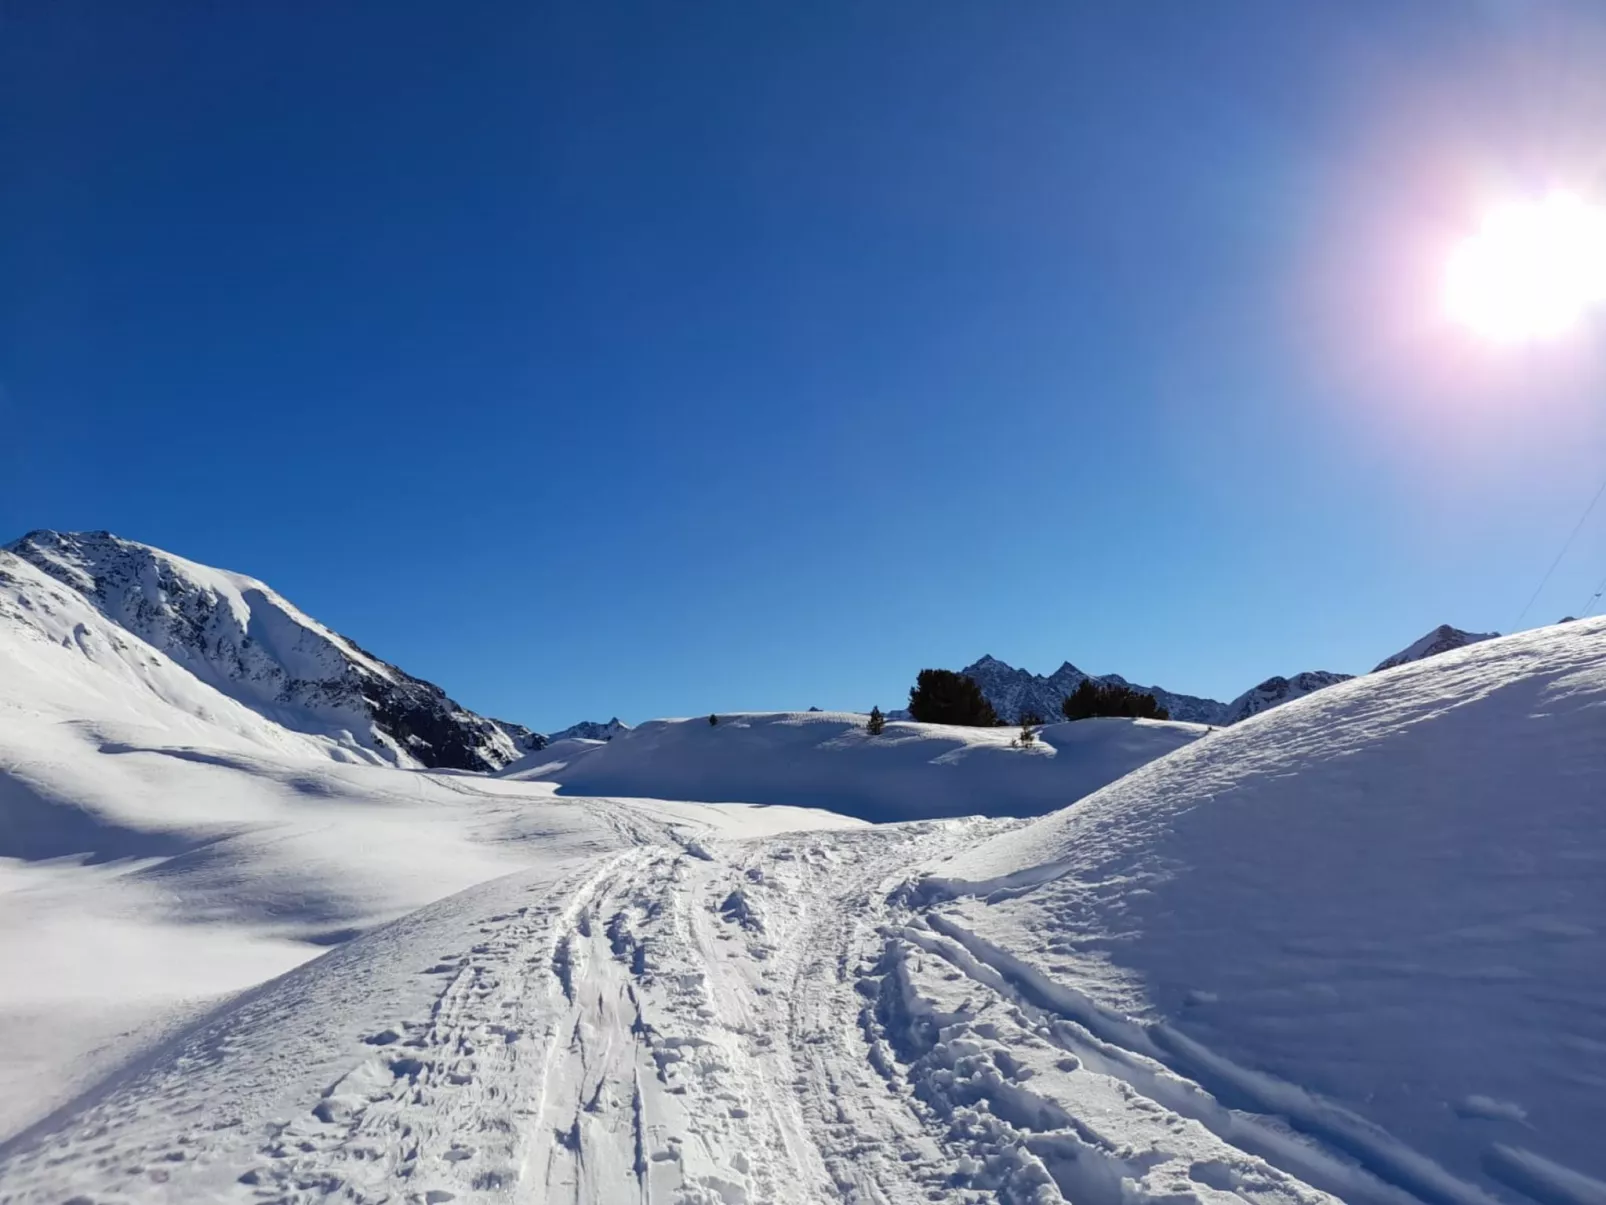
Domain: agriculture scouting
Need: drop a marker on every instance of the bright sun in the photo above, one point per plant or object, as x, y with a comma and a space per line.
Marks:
1534, 271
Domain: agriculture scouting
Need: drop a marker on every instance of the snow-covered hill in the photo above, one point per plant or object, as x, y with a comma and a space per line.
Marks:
1374, 916
1014, 692
827, 759
1442, 639
238, 636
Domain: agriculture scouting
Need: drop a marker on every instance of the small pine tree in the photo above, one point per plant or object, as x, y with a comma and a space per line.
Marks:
712, 720
1029, 723
878, 722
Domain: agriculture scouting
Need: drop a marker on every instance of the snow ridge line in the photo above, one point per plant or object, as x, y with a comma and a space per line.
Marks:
1391, 1168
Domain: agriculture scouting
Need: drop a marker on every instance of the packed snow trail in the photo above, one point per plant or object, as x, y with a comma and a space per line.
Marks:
678, 1020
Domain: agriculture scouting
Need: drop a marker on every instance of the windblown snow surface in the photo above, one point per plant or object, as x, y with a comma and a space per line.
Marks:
1351, 948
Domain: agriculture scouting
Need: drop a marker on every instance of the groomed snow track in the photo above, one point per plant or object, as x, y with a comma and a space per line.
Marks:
765, 1020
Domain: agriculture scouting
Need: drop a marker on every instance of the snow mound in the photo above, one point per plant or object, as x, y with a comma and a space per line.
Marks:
827, 759
1442, 639
1376, 912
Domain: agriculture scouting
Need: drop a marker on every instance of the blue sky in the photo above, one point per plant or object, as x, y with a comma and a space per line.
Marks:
641, 359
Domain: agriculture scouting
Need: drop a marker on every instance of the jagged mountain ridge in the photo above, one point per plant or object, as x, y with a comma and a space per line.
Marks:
1013, 692
239, 636
590, 730
526, 740
1441, 639
1277, 690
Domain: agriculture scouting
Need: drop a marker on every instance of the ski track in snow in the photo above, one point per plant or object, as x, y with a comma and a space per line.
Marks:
676, 1021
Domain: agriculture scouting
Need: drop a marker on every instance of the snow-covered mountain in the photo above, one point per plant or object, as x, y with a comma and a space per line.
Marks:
1013, 692
241, 638
1275, 691
1441, 639
590, 730
525, 740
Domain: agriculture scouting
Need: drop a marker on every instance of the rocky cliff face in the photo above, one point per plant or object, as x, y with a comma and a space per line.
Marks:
242, 638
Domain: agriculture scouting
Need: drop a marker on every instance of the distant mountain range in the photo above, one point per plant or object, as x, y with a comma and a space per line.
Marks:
591, 730
1277, 690
239, 636
1015, 692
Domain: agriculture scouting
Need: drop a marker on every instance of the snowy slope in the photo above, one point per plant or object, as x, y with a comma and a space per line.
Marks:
1013, 692
1375, 914
239, 637
1442, 639
163, 845
827, 759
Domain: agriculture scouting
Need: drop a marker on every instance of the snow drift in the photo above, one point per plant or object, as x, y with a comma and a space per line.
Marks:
826, 759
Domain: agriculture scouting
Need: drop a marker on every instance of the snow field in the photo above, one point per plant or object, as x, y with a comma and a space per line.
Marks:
712, 1021
910, 771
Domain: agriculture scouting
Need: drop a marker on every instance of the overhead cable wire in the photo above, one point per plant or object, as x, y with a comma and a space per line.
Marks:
1539, 589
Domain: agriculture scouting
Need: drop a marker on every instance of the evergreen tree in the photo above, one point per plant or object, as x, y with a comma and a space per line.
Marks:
1111, 699
940, 696
878, 722
1030, 721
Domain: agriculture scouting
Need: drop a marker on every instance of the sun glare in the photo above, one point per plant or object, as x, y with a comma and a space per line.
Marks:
1533, 271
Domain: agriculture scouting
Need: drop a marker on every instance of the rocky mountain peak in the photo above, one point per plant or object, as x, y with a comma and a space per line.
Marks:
1441, 639
239, 636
